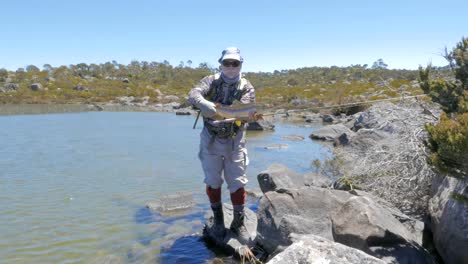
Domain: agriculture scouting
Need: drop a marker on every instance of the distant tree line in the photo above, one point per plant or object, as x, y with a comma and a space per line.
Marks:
103, 82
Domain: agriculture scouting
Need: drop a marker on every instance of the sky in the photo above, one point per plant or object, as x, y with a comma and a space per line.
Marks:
272, 35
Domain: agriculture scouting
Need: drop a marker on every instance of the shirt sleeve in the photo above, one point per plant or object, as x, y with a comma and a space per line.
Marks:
249, 93
200, 90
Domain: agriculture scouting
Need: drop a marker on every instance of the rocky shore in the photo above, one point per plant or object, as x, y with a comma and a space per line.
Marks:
387, 206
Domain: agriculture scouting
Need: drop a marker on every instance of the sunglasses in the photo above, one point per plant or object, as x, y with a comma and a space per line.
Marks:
231, 63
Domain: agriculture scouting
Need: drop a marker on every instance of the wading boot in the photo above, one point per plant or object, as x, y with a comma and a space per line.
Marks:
218, 222
238, 226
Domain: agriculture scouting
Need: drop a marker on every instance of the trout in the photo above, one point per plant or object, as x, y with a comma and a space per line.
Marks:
240, 112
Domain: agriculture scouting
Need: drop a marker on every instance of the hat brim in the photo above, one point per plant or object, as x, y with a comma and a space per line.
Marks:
231, 57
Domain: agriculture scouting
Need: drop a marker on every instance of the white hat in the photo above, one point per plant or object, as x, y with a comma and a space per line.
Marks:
231, 53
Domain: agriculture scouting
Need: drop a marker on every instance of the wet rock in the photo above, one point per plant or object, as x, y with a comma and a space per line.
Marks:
172, 202
277, 146
182, 112
230, 243
293, 137
261, 125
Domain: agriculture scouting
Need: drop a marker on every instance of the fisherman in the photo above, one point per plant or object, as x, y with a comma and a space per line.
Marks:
222, 144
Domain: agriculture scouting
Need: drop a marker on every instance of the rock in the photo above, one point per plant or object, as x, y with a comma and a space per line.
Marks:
331, 132
414, 226
361, 223
293, 137
36, 87
304, 211
277, 146
230, 243
342, 140
182, 112
11, 87
328, 119
449, 215
172, 202
317, 180
80, 87
316, 249
278, 176
261, 125
171, 98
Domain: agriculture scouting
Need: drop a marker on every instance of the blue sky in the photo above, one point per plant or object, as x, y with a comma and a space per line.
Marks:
272, 35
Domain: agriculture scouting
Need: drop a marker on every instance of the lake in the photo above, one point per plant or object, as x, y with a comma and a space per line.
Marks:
73, 186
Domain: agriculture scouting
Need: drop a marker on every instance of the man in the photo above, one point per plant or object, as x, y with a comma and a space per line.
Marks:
222, 145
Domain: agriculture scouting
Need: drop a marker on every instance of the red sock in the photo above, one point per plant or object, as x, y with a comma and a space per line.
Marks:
238, 197
213, 194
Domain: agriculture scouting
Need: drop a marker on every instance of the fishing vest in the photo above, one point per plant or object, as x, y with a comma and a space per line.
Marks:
216, 88
229, 129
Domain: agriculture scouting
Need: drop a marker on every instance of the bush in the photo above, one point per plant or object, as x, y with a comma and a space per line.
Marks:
449, 138
449, 141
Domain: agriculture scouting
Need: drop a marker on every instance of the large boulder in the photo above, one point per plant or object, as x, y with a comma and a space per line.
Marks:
36, 87
11, 87
363, 224
316, 249
449, 214
306, 210
278, 176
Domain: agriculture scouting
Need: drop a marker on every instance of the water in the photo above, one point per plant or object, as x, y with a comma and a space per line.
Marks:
73, 186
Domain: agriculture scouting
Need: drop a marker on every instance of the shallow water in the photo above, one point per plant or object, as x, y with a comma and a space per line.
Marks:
73, 186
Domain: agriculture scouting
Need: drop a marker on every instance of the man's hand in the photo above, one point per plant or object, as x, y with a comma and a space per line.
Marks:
254, 116
207, 108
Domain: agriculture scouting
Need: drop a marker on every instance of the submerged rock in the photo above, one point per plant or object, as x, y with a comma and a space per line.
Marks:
172, 202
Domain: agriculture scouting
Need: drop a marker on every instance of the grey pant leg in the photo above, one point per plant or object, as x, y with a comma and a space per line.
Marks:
211, 160
235, 163
224, 156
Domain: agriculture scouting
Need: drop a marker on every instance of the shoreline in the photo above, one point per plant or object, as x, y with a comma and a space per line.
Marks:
29, 109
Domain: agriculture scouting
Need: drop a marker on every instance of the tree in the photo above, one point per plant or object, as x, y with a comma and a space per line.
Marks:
379, 64
20, 74
32, 68
48, 68
3, 75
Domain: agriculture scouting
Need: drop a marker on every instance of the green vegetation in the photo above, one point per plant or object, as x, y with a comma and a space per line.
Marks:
459, 197
449, 138
299, 88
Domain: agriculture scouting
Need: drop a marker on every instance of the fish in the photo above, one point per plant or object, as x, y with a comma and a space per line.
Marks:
236, 112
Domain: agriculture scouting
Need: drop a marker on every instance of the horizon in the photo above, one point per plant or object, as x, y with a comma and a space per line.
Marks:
271, 36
